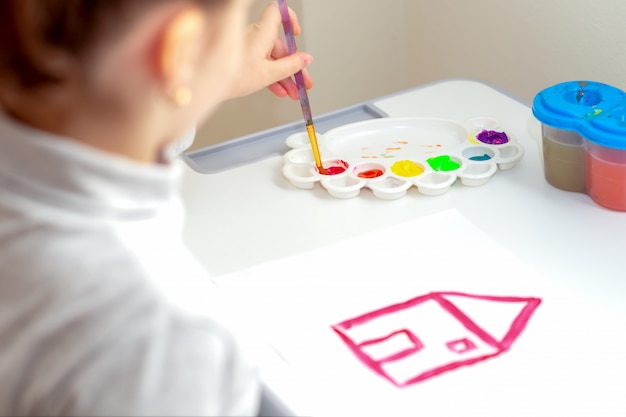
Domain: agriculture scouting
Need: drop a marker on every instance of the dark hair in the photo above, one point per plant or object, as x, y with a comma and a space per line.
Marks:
29, 28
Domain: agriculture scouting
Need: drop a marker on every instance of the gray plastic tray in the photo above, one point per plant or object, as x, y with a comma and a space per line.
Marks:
257, 146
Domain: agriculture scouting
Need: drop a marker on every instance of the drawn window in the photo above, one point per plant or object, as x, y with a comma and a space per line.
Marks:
461, 346
394, 346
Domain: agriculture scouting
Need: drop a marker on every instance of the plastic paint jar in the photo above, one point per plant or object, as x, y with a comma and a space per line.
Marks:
583, 126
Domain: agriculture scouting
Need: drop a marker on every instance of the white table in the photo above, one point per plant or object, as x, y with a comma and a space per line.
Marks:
251, 214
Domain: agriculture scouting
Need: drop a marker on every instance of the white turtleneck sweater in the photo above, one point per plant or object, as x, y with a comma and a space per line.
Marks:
93, 280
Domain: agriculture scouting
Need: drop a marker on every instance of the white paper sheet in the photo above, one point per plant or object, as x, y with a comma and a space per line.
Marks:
567, 359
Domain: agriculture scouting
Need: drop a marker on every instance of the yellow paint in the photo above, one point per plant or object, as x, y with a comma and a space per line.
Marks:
406, 168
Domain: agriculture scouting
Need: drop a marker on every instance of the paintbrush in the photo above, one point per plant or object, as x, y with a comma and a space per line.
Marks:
302, 94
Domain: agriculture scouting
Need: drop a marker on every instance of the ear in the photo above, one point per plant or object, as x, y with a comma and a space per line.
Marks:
179, 48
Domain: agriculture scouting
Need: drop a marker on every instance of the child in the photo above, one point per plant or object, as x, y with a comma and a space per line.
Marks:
93, 94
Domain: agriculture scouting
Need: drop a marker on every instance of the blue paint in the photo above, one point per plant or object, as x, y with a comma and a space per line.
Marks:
484, 157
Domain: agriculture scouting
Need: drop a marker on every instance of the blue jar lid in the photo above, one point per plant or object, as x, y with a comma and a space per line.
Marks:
590, 108
609, 129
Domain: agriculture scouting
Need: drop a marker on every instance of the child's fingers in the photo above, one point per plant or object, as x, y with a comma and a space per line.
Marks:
290, 87
278, 90
285, 67
268, 24
272, 17
280, 49
308, 81
294, 22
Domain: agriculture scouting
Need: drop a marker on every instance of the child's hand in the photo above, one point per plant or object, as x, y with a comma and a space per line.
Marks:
267, 62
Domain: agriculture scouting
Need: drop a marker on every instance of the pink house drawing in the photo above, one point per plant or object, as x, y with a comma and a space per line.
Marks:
409, 342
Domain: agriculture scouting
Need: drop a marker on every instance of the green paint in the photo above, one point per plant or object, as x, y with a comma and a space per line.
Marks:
443, 163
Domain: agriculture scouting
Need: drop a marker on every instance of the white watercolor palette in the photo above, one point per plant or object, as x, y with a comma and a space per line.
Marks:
390, 155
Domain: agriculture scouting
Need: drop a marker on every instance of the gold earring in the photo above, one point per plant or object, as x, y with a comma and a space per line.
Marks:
182, 96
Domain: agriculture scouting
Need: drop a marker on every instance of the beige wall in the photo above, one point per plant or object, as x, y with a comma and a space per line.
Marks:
521, 46
367, 48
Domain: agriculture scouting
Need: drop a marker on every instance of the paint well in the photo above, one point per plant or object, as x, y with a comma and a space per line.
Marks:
443, 163
483, 157
407, 168
334, 167
478, 153
371, 173
492, 137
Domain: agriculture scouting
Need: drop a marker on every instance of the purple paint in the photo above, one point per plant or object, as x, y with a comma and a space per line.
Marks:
492, 137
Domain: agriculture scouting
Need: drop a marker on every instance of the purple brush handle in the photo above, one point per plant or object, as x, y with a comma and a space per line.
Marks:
291, 48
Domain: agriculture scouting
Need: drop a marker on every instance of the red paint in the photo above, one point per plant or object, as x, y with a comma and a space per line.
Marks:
472, 344
334, 167
334, 170
372, 173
